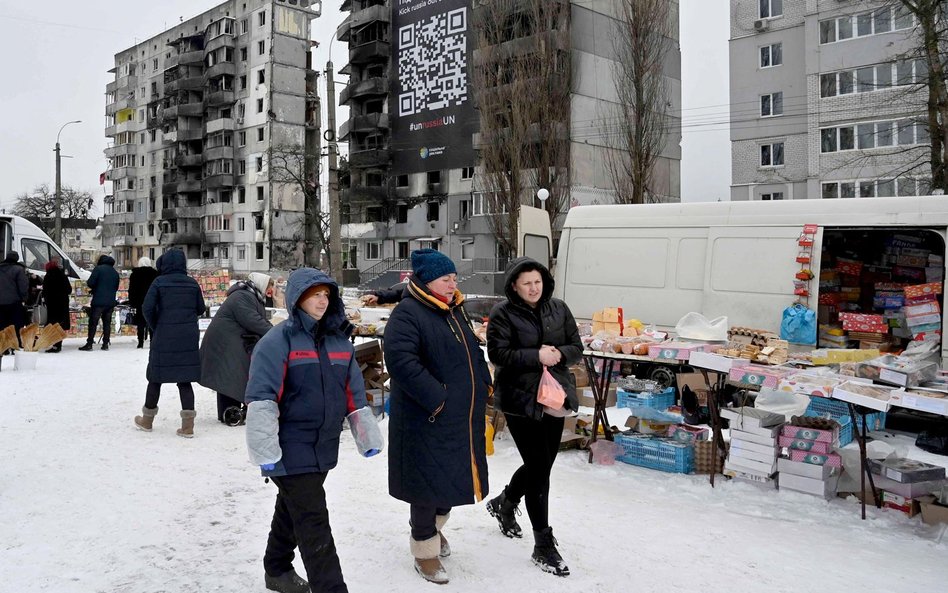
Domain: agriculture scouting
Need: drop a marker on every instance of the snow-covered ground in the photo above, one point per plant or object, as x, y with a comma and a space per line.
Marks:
90, 504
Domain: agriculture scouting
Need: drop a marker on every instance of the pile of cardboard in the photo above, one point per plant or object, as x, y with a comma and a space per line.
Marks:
906, 483
809, 464
753, 453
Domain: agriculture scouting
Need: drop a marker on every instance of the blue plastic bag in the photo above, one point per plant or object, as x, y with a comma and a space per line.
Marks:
798, 325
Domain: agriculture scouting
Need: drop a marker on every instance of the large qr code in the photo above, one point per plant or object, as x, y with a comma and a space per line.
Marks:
432, 63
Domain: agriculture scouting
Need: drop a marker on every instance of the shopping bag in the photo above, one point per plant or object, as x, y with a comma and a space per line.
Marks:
550, 392
798, 325
695, 326
40, 313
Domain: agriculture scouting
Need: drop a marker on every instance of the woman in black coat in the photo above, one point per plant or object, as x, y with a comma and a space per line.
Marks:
229, 340
440, 384
172, 307
56, 291
527, 332
138, 284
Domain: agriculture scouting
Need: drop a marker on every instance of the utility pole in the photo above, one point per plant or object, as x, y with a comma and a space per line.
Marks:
335, 227
58, 201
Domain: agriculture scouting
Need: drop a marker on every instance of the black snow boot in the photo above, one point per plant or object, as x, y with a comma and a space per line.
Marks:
505, 511
288, 582
545, 554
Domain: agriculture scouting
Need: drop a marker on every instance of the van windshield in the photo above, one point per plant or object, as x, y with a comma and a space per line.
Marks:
36, 254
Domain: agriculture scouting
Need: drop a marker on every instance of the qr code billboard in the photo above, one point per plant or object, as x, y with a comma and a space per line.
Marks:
432, 62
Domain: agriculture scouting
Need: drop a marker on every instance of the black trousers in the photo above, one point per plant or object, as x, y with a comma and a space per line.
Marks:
184, 390
105, 314
143, 331
422, 522
538, 442
301, 518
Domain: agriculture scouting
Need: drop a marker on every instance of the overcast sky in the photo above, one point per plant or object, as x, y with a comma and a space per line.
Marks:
56, 63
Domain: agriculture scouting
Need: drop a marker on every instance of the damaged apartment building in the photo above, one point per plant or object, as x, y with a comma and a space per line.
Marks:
416, 131
195, 116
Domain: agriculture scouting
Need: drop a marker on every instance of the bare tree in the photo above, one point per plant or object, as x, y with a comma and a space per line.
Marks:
293, 165
522, 81
41, 204
636, 129
930, 18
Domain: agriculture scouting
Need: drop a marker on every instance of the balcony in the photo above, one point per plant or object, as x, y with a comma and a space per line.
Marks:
169, 113
169, 188
189, 160
220, 124
189, 186
188, 134
225, 40
120, 218
220, 69
121, 173
221, 180
181, 238
259, 236
364, 123
371, 87
192, 109
217, 153
214, 237
378, 157
376, 13
121, 149
191, 83
218, 208
342, 33
182, 212
191, 57
126, 82
364, 193
218, 98
172, 62
370, 52
110, 131
110, 87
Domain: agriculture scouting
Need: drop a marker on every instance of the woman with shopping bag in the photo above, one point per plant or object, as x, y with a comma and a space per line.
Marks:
532, 339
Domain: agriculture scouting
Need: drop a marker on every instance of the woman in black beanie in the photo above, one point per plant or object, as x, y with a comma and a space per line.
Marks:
440, 385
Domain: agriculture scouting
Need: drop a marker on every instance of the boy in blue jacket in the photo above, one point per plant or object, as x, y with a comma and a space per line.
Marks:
304, 381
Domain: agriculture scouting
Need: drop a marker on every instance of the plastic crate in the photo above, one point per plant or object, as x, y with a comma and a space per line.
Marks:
839, 411
658, 401
656, 453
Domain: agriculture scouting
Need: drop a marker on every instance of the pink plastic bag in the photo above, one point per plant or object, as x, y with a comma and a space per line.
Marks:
550, 393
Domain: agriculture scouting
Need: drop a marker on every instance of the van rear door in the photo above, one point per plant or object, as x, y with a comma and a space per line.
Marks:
534, 234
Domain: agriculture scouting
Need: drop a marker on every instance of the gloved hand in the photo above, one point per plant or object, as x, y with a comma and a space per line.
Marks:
371, 452
267, 466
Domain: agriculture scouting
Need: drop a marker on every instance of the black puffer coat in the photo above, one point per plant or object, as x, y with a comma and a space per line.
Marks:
171, 308
56, 291
228, 341
138, 284
515, 334
437, 458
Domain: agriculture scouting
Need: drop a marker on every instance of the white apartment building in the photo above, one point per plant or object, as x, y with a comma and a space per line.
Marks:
825, 100
192, 116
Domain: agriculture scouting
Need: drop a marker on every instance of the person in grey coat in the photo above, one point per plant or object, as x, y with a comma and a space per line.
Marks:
229, 340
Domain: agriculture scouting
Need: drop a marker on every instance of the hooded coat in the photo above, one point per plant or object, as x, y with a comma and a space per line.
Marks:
515, 333
14, 285
139, 283
172, 307
304, 381
104, 282
56, 291
229, 339
440, 386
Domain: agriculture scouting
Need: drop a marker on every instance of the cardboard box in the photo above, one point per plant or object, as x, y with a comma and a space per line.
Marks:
906, 471
745, 418
741, 454
918, 290
809, 434
879, 400
805, 445
745, 445
586, 397
749, 476
751, 466
807, 470
811, 384
764, 436
818, 487
915, 400
715, 362
830, 459
674, 350
580, 375
758, 375
933, 513
921, 309
697, 383
917, 320
909, 506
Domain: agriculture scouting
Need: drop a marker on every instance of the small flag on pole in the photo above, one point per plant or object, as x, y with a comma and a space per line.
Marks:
102, 178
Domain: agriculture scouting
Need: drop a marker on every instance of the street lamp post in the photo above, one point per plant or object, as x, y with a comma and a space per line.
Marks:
58, 203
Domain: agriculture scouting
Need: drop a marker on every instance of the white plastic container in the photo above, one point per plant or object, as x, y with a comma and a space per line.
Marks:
25, 361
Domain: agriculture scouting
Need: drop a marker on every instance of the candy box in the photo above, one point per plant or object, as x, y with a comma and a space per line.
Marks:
897, 370
806, 384
805, 445
906, 471
918, 290
758, 375
809, 434
863, 322
674, 350
848, 267
830, 459
934, 402
925, 308
875, 397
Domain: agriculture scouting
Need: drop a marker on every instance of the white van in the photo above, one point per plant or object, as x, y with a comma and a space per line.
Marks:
739, 259
34, 246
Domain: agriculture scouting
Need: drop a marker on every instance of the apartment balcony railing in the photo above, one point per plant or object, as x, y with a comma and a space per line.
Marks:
371, 87
370, 52
220, 124
218, 152
218, 181
220, 69
218, 98
364, 123
189, 160
378, 157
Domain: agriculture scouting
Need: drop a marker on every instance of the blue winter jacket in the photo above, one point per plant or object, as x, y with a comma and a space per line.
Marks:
304, 381
104, 282
172, 306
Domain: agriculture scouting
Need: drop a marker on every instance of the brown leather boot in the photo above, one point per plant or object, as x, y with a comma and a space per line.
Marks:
145, 421
427, 563
187, 424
